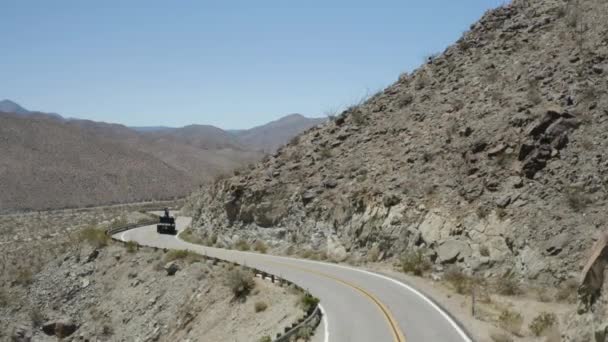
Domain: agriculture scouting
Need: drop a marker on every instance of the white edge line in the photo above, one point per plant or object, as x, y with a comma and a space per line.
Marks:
325, 324
446, 316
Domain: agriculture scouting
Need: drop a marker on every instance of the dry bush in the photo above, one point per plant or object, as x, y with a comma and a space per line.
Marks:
511, 321
36, 317
240, 282
358, 117
24, 276
373, 254
415, 262
533, 95
189, 236
131, 246
260, 246
94, 236
181, 254
404, 100
260, 306
242, 245
542, 323
484, 251
507, 285
461, 282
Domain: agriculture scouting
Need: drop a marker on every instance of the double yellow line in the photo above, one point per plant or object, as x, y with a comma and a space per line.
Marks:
392, 322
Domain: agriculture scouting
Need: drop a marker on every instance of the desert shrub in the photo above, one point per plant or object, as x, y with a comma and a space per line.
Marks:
265, 339
567, 292
189, 236
240, 282
542, 322
306, 253
507, 285
4, 297
24, 276
482, 212
533, 95
260, 306
94, 236
373, 254
260, 246
181, 254
415, 262
484, 251
576, 199
511, 321
462, 283
242, 245
308, 301
131, 246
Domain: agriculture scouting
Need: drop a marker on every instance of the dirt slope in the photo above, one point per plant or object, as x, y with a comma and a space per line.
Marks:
489, 156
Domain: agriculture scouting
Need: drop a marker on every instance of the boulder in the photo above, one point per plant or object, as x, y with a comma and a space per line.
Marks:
452, 250
335, 250
431, 228
171, 268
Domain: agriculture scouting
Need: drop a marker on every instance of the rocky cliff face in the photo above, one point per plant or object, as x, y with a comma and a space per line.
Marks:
490, 155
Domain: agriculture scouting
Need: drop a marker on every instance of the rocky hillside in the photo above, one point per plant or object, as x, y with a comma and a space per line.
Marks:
489, 156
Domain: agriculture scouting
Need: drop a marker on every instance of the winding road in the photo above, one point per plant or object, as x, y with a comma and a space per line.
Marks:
358, 305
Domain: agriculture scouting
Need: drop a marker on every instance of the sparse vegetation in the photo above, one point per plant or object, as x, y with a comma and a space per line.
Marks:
508, 285
511, 321
131, 246
181, 254
461, 282
94, 236
240, 282
325, 152
260, 306
308, 301
242, 245
542, 322
260, 246
415, 262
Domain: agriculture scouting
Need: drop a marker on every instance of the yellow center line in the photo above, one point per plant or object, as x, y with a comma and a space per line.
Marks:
392, 322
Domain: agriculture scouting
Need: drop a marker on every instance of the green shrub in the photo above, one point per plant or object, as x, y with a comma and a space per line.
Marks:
265, 339
542, 322
94, 236
415, 262
511, 321
260, 306
131, 246
305, 333
260, 246
240, 282
308, 301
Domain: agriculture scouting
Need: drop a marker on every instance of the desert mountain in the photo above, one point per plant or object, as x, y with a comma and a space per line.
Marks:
271, 136
490, 156
83, 162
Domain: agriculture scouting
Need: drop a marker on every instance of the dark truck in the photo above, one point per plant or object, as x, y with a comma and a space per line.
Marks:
166, 224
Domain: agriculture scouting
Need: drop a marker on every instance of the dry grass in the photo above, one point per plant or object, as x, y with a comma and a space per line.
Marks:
260, 246
180, 254
415, 262
242, 245
94, 236
511, 321
542, 323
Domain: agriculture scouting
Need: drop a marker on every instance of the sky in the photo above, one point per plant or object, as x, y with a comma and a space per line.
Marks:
232, 64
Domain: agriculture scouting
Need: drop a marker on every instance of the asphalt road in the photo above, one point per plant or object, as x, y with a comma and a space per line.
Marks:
359, 305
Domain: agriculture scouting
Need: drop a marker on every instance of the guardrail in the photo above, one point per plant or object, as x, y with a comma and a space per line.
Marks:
310, 320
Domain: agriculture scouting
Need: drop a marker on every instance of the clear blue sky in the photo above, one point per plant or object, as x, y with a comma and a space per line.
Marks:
226, 63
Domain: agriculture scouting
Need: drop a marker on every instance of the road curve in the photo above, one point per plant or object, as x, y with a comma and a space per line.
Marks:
359, 305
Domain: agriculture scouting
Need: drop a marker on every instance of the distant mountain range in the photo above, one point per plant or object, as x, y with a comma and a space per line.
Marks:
50, 162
